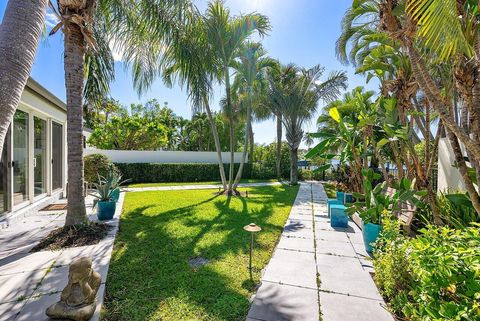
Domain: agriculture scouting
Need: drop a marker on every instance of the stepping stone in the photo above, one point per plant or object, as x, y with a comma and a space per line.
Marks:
345, 275
298, 230
299, 223
19, 286
355, 236
296, 243
9, 310
337, 236
335, 248
292, 268
26, 262
277, 302
336, 307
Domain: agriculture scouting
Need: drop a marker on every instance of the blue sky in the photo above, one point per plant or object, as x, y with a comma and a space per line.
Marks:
303, 32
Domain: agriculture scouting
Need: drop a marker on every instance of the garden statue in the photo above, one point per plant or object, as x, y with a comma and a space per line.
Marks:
77, 301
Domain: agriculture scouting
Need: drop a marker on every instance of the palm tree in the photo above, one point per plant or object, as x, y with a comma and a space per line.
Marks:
251, 70
226, 35
20, 32
426, 32
82, 23
190, 61
295, 95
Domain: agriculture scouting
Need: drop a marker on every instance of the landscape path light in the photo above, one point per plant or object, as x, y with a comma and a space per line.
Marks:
252, 228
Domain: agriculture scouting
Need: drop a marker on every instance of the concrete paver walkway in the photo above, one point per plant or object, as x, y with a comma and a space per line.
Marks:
317, 271
30, 282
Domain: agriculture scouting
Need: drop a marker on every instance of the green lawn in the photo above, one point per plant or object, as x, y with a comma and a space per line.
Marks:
149, 276
198, 183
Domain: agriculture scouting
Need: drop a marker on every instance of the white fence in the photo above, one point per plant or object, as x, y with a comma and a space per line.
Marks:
166, 157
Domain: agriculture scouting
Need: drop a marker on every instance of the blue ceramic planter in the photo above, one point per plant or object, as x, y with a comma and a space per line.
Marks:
341, 197
115, 194
348, 198
338, 216
370, 233
105, 210
332, 201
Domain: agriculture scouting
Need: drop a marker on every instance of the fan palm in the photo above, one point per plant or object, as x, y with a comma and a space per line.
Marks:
295, 95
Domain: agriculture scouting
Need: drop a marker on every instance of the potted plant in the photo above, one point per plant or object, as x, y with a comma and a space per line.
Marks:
103, 198
116, 181
371, 206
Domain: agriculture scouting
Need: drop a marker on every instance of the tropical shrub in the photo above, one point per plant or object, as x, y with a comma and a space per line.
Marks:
435, 276
96, 164
265, 161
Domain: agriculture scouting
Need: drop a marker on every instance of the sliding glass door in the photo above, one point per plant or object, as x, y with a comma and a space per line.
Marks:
57, 155
5, 176
20, 157
39, 156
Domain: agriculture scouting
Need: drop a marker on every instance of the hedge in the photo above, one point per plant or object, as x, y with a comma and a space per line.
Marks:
158, 172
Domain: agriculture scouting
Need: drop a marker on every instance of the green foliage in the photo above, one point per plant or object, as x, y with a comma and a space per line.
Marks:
265, 161
103, 188
393, 274
457, 210
153, 126
434, 276
156, 172
375, 203
96, 164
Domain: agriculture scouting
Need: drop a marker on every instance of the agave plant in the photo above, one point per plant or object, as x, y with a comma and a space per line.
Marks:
104, 188
115, 178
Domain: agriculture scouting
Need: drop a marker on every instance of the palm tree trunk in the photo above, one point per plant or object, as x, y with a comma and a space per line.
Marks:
462, 167
20, 32
216, 139
74, 80
279, 146
231, 132
252, 144
434, 95
294, 166
245, 148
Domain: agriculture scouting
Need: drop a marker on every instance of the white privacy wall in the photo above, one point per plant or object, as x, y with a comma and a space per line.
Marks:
166, 157
449, 177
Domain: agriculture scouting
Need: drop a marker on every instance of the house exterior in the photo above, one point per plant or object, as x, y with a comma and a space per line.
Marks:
33, 160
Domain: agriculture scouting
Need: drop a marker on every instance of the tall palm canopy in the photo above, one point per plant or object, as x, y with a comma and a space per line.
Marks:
295, 94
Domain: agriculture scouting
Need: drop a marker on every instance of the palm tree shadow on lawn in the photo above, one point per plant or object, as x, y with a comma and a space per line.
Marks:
150, 277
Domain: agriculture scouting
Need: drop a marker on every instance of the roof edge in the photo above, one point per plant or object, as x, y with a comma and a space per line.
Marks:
45, 93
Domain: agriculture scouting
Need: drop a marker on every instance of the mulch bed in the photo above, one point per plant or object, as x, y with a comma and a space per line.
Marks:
73, 236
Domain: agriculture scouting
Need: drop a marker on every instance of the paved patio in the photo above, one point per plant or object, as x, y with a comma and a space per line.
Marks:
317, 270
30, 282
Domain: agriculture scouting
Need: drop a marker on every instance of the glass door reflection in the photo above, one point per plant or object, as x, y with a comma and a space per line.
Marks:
39, 156
20, 157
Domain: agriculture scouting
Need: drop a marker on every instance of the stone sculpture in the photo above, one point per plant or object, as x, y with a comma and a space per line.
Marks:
77, 301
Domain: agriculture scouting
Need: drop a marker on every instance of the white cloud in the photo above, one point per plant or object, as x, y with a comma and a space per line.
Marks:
51, 20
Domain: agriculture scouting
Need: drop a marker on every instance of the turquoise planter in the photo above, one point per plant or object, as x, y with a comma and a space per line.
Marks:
332, 201
115, 194
370, 233
338, 216
105, 210
348, 198
341, 197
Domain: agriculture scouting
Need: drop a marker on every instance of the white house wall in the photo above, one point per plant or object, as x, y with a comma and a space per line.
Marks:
449, 178
166, 157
